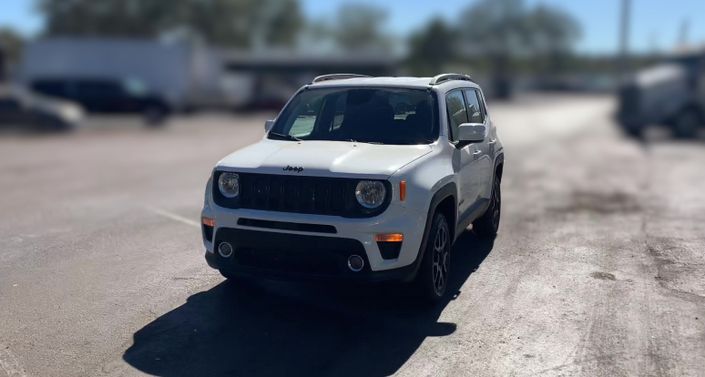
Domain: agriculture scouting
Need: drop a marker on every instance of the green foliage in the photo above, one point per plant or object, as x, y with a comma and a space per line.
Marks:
359, 26
495, 27
500, 36
11, 44
506, 30
553, 34
355, 27
432, 48
238, 23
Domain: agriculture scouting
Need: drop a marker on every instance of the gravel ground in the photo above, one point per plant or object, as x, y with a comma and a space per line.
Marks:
597, 271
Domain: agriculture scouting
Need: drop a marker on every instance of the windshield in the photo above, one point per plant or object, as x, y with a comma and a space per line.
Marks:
368, 115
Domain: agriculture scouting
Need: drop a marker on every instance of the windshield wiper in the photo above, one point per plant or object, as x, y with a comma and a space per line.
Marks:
284, 136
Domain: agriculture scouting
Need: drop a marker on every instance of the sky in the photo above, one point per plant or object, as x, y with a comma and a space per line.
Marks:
656, 24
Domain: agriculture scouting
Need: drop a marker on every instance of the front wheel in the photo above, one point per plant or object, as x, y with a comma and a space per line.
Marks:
486, 226
432, 280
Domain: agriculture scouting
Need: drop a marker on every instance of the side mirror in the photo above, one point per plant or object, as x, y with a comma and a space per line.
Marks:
471, 132
268, 125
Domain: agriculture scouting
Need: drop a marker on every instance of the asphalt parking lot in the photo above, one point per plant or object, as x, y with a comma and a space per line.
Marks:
597, 270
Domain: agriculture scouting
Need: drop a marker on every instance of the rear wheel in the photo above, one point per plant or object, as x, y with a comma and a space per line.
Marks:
686, 124
432, 280
634, 131
486, 226
53, 124
155, 116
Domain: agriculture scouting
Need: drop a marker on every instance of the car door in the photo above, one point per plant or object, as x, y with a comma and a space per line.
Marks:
465, 163
484, 151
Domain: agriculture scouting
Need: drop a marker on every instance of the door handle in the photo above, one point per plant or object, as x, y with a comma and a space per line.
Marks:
492, 141
477, 152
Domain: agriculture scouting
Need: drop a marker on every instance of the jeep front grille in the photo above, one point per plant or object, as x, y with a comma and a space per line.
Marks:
298, 194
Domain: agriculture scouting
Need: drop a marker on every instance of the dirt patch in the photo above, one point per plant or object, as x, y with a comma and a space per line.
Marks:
603, 203
603, 276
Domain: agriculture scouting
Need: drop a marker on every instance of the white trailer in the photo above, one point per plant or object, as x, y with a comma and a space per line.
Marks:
183, 74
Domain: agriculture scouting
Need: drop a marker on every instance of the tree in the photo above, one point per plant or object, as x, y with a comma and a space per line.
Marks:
11, 44
238, 23
359, 26
504, 31
554, 34
497, 30
432, 48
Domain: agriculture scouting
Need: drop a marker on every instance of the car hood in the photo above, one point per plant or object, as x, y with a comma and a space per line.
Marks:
323, 158
660, 74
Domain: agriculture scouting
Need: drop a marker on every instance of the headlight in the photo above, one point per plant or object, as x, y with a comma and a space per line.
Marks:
370, 194
229, 185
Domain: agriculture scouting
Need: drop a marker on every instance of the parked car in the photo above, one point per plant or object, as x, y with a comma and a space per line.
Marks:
362, 179
671, 93
107, 96
21, 107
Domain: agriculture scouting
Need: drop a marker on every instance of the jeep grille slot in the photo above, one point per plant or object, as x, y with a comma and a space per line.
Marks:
299, 194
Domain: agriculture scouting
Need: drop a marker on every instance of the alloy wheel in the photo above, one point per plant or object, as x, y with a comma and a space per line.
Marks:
441, 258
496, 204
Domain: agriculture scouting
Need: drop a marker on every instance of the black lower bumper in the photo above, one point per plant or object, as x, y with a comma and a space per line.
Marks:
274, 255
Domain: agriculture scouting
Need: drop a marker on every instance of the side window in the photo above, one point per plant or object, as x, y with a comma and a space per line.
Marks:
50, 88
475, 109
339, 112
457, 112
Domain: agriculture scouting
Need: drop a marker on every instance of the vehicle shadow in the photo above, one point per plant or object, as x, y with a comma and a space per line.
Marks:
273, 328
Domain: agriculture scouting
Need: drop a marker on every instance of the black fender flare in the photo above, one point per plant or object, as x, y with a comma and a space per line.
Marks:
499, 160
448, 190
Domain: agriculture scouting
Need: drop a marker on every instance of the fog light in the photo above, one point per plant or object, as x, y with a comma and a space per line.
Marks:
356, 263
225, 249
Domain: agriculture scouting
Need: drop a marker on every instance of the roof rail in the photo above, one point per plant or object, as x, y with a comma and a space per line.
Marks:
336, 76
443, 77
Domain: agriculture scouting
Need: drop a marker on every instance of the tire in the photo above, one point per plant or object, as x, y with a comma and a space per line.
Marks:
155, 116
686, 124
636, 132
432, 280
486, 226
52, 124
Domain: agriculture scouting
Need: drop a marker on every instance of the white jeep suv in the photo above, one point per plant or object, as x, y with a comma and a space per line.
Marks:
359, 178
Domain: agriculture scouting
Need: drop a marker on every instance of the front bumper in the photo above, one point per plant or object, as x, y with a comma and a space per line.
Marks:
274, 255
303, 243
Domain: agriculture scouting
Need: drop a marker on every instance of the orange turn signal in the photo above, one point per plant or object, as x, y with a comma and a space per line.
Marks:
402, 190
389, 237
208, 221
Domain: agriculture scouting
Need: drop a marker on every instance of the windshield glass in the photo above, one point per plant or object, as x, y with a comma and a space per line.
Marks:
368, 115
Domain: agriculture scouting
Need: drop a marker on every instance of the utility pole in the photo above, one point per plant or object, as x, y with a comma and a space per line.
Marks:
3, 64
684, 33
624, 38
